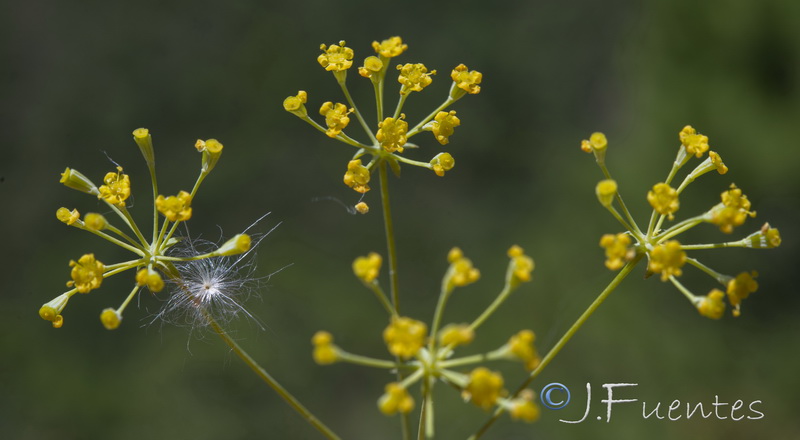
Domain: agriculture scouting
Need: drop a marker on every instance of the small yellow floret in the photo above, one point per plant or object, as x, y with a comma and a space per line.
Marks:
367, 268
75, 180
456, 334
694, 143
67, 216
716, 160
712, 306
442, 163
414, 77
740, 288
664, 199
462, 272
117, 188
521, 346
484, 388
523, 408
617, 248
733, 211
335, 117
110, 318
175, 208
51, 311
667, 259
151, 279
405, 336
390, 47
296, 104
606, 190
396, 399
357, 176
598, 141
324, 351
443, 126
362, 208
372, 66
521, 265
465, 80
392, 134
238, 244
336, 58
94, 221
765, 238
87, 273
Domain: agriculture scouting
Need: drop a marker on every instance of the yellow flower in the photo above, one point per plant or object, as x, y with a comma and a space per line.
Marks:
67, 216
390, 47
372, 66
606, 190
396, 399
362, 208
94, 221
716, 160
465, 80
462, 271
392, 134
175, 208
484, 388
456, 334
110, 318
296, 104
694, 143
238, 244
617, 249
117, 188
443, 126
442, 162
405, 336
324, 350
733, 211
87, 273
667, 259
335, 117
367, 268
51, 311
765, 238
664, 199
75, 180
414, 77
151, 279
521, 346
523, 408
522, 265
740, 288
336, 58
712, 306
357, 176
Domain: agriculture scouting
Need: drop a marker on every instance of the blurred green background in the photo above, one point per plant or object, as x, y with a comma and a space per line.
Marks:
78, 77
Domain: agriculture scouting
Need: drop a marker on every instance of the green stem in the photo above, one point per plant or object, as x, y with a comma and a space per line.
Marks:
376, 288
269, 380
400, 103
390, 242
722, 279
355, 110
564, 339
368, 361
635, 231
680, 228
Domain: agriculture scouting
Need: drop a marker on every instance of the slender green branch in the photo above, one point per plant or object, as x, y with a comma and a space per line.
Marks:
355, 110
692, 298
680, 228
379, 293
564, 339
368, 361
390, 242
723, 279
400, 103
635, 231
269, 380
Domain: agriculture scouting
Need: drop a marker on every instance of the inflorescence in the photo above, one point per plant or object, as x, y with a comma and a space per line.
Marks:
389, 137
667, 256
152, 263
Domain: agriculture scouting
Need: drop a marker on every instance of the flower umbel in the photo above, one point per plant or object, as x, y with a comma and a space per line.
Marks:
667, 256
151, 258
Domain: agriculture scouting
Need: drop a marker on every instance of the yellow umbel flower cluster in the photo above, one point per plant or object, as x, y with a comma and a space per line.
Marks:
665, 255
427, 357
389, 136
151, 262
